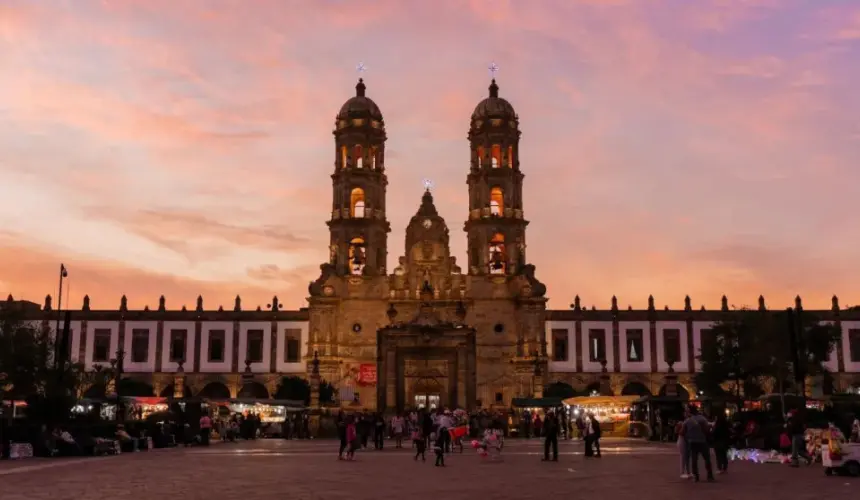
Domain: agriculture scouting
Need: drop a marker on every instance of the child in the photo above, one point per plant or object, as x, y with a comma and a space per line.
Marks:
439, 448
418, 442
351, 438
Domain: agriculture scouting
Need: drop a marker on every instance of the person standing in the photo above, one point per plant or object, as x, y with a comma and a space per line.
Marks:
341, 434
683, 450
378, 431
398, 428
596, 434
205, 429
797, 428
550, 431
721, 435
696, 430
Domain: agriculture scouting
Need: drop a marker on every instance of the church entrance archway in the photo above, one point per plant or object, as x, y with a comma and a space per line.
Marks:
215, 390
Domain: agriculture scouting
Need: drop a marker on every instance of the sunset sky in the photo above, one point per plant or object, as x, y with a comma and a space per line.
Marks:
184, 147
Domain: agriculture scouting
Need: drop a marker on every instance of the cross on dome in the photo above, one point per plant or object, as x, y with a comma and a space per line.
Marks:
428, 184
494, 68
361, 68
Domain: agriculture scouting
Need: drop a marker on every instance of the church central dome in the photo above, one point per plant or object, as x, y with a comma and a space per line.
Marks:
359, 106
494, 106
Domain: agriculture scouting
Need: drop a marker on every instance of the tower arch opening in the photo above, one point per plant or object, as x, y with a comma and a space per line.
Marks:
496, 156
497, 201
497, 254
357, 255
359, 156
356, 203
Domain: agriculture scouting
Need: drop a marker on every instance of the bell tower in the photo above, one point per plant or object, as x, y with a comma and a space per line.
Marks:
358, 226
496, 228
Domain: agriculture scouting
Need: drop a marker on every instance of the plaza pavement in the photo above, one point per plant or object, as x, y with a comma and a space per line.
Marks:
277, 469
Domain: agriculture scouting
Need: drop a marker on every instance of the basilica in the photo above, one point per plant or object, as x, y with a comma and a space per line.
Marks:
431, 331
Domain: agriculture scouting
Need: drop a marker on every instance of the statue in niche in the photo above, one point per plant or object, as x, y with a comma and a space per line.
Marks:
332, 255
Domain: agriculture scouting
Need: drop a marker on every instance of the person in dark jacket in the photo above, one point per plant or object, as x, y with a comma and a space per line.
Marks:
341, 434
796, 429
721, 436
550, 429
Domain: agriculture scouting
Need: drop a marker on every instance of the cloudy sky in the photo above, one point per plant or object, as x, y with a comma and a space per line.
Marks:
184, 147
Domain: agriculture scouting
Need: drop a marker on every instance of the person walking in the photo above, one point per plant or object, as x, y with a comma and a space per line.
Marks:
550, 430
796, 429
696, 430
341, 434
378, 431
596, 433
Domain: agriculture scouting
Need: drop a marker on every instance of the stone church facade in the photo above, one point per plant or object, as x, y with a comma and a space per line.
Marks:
430, 331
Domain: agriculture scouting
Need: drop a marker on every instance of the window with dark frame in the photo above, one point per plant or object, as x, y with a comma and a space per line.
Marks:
707, 340
292, 346
216, 345
596, 345
672, 345
139, 345
101, 345
178, 339
559, 345
254, 347
854, 345
635, 346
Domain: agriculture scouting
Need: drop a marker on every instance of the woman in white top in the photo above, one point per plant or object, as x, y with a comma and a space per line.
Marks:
398, 427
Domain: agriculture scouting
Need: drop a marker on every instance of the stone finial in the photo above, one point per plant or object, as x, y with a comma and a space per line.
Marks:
162, 306
650, 302
724, 303
146, 308
184, 308
665, 308
761, 304
275, 305
614, 303
199, 303
593, 308
834, 303
237, 306
10, 298
47, 302
576, 304
798, 304
123, 303
629, 308
688, 306
220, 309
86, 306
259, 308
703, 307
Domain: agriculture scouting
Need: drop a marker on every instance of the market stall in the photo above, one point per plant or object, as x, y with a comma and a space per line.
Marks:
613, 412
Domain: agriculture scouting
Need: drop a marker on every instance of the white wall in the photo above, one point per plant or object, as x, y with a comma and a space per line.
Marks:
570, 364
92, 326
681, 365
266, 327
190, 355
587, 364
635, 366
698, 326
147, 366
850, 367
281, 365
227, 365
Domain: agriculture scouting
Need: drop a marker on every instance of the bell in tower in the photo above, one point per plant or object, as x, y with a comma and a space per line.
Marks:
358, 226
496, 226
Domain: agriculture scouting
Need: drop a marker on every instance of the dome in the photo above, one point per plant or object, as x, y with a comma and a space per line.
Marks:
494, 106
360, 106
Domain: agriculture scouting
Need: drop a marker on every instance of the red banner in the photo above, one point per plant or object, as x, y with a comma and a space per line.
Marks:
367, 374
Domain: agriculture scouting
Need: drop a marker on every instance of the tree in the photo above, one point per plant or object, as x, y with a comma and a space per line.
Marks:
294, 388
749, 346
26, 354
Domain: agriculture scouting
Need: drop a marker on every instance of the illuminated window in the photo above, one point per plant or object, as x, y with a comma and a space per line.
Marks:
498, 257
511, 156
357, 256
480, 156
496, 159
344, 157
373, 158
359, 157
497, 201
356, 203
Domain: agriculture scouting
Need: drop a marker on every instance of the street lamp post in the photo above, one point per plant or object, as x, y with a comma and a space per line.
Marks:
63, 274
117, 364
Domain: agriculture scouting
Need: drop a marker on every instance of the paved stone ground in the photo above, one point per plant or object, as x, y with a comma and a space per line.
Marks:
280, 469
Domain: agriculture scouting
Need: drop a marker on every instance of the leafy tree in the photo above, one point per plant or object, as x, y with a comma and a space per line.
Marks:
26, 354
326, 392
749, 346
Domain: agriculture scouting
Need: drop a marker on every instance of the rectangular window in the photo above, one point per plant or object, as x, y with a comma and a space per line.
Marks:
596, 345
254, 349
635, 346
708, 340
559, 345
178, 338
101, 345
139, 345
672, 345
292, 346
854, 345
216, 345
